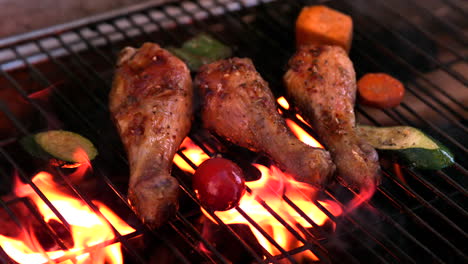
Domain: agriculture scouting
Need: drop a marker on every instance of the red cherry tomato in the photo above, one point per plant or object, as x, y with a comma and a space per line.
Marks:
219, 184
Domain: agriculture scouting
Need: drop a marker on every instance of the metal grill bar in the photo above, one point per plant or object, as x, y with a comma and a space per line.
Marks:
426, 204
120, 237
400, 204
436, 128
266, 235
426, 33
455, 7
263, 232
457, 32
192, 195
35, 188
245, 215
262, 202
44, 225
191, 241
418, 50
323, 209
201, 238
56, 212
417, 94
421, 221
445, 135
285, 224
96, 211
435, 190
73, 77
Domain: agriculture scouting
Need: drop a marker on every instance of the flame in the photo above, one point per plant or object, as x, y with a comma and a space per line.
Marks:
282, 101
270, 188
399, 173
193, 152
365, 193
83, 165
87, 229
302, 120
302, 135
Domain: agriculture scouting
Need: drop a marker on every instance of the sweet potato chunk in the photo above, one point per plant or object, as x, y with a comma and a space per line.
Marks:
322, 25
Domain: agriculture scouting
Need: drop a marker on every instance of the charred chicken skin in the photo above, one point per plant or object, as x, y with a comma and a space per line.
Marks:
151, 104
239, 106
321, 81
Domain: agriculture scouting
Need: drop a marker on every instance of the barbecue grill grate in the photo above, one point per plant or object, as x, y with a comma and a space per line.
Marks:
419, 218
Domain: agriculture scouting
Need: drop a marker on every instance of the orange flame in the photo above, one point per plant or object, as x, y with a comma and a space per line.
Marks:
302, 120
399, 173
87, 229
282, 101
83, 165
270, 188
194, 153
302, 135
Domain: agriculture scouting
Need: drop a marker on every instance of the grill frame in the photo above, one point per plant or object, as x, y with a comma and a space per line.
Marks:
188, 230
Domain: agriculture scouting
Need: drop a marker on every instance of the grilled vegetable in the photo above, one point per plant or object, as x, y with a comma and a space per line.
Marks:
201, 49
60, 145
322, 25
410, 144
380, 90
219, 184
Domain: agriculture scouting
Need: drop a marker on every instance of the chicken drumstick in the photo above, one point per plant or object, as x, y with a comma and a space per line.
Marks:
322, 83
151, 105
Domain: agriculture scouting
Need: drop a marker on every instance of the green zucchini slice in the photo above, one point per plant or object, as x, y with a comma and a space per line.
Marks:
60, 145
413, 146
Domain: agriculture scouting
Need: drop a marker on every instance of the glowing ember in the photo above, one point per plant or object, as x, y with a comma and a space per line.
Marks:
302, 135
191, 151
270, 188
87, 229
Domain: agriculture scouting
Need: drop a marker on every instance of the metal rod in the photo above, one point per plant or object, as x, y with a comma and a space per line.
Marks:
457, 32
422, 222
426, 33
201, 238
416, 93
417, 49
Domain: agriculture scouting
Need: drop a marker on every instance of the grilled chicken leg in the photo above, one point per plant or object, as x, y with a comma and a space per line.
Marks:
322, 83
151, 104
239, 106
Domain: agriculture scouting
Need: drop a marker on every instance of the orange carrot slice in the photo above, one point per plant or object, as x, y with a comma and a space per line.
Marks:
380, 90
